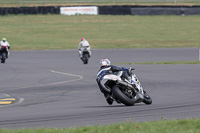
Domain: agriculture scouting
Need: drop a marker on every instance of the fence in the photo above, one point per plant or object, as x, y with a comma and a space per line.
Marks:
109, 10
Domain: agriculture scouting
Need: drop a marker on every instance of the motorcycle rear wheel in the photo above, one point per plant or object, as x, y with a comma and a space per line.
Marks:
85, 58
118, 94
3, 59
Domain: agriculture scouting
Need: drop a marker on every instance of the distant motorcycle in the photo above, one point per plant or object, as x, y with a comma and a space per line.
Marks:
124, 91
3, 53
85, 55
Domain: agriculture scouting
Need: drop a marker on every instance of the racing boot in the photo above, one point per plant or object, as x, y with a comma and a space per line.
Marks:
109, 99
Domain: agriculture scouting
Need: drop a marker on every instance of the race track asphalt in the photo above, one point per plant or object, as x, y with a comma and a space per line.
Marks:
54, 88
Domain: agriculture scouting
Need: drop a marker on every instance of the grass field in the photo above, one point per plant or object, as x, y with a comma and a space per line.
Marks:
15, 3
30, 32
164, 126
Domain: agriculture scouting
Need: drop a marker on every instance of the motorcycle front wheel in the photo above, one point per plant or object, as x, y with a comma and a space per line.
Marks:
118, 94
147, 99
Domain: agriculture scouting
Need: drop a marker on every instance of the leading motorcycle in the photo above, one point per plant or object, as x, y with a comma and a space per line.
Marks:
3, 53
123, 91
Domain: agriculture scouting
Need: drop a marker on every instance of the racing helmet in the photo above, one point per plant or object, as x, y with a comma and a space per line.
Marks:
82, 39
4, 39
105, 62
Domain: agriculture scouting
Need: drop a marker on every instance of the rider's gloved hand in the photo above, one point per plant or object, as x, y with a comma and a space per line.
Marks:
130, 70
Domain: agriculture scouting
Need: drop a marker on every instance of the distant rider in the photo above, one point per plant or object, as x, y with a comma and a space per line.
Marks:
84, 44
4, 42
107, 68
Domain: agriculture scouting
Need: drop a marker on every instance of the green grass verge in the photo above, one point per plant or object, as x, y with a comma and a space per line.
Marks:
33, 32
11, 3
161, 62
164, 126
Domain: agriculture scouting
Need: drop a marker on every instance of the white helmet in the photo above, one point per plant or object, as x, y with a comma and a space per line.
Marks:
104, 62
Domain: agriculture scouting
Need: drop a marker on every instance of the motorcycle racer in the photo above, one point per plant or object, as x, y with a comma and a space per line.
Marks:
107, 68
4, 42
83, 43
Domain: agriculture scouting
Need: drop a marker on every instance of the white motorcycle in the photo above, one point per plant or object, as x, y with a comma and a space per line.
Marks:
125, 91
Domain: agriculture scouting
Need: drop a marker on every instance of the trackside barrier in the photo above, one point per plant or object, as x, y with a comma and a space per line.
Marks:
29, 10
166, 10
109, 10
115, 10
149, 10
81, 10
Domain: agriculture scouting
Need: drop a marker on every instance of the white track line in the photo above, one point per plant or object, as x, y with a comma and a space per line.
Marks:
55, 83
79, 77
62, 82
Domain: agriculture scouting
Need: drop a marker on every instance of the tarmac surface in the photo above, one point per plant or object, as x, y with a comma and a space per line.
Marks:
53, 88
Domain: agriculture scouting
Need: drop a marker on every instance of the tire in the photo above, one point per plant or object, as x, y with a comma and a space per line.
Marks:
147, 99
85, 58
118, 94
3, 59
